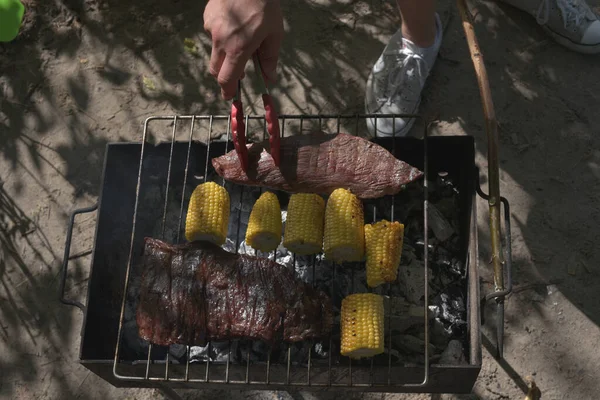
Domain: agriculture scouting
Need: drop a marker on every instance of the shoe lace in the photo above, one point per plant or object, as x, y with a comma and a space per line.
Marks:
573, 11
406, 65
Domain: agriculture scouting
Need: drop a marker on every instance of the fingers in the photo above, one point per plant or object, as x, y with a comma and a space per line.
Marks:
216, 61
227, 69
231, 71
268, 55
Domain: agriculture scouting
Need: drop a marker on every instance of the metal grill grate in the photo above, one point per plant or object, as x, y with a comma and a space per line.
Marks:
353, 374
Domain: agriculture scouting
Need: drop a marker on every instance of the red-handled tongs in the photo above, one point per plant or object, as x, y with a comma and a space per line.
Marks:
238, 127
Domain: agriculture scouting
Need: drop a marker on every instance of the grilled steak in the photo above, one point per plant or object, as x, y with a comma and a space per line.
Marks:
321, 163
196, 292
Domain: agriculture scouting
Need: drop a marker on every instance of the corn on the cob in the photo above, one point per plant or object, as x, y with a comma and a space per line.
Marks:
304, 224
208, 214
383, 248
344, 237
265, 226
362, 326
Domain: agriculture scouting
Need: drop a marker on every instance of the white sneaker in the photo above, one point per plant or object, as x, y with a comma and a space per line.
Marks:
396, 81
570, 22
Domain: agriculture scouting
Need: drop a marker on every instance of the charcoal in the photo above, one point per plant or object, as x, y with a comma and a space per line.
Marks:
299, 353
396, 357
419, 246
407, 205
404, 315
178, 350
412, 344
321, 351
439, 224
447, 207
130, 335
449, 264
254, 351
402, 324
439, 335
214, 352
411, 279
432, 188
449, 309
242, 200
454, 354
445, 187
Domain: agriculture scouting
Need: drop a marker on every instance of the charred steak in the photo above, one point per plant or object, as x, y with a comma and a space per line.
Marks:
196, 292
321, 163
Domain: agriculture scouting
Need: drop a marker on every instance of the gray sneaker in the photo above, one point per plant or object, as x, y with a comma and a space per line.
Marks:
396, 81
570, 22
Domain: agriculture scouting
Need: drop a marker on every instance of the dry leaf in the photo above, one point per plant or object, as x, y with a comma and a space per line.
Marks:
148, 83
190, 46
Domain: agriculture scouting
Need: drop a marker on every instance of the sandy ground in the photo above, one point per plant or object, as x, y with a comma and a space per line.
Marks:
74, 80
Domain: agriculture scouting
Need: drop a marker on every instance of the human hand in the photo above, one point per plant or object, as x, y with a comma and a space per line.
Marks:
238, 29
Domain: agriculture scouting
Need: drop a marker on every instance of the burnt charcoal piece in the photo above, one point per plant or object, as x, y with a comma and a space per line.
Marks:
450, 311
321, 163
197, 292
448, 264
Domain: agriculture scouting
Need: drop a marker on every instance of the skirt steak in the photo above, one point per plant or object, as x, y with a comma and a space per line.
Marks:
195, 292
321, 163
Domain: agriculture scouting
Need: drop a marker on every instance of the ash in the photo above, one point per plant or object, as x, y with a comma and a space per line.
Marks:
404, 300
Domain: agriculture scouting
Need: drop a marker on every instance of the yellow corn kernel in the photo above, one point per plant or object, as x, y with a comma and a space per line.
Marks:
265, 226
362, 325
207, 216
304, 224
344, 237
383, 248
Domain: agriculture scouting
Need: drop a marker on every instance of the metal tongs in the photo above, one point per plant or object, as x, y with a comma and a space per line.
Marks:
238, 127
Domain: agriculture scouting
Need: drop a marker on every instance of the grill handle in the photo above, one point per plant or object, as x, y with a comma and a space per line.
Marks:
493, 197
499, 295
65, 263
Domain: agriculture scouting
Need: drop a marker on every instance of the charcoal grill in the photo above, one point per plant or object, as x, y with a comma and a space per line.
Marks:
128, 210
131, 173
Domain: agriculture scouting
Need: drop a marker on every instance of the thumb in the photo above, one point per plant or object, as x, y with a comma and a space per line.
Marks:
268, 54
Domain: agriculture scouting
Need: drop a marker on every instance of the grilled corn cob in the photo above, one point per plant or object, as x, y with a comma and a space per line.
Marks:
344, 237
208, 214
264, 225
362, 325
383, 248
304, 224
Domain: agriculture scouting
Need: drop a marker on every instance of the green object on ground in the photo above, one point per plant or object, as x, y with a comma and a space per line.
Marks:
11, 17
